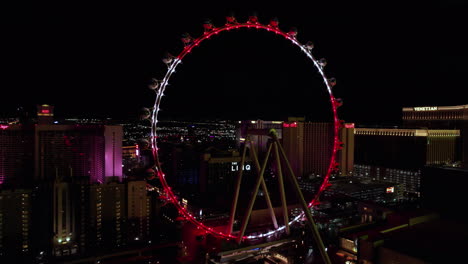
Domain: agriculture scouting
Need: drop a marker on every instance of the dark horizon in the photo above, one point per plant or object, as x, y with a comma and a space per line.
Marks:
98, 60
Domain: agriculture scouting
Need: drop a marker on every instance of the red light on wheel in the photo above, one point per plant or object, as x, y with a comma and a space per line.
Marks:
272, 27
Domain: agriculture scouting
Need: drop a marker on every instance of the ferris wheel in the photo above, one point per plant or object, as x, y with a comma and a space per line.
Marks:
159, 86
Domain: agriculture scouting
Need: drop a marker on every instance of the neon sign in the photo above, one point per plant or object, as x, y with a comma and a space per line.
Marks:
290, 125
235, 167
425, 108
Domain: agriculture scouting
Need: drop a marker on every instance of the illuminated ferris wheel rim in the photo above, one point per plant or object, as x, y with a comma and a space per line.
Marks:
161, 86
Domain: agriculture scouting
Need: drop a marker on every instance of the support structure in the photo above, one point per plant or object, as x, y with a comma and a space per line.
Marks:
253, 152
281, 189
236, 191
300, 196
159, 86
264, 187
279, 155
254, 195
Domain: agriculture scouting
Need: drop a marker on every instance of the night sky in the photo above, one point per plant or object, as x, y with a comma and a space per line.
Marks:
97, 60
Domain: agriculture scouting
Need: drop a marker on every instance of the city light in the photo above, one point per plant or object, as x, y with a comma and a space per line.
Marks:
105, 179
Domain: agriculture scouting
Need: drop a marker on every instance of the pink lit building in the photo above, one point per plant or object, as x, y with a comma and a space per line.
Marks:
93, 151
43, 152
16, 154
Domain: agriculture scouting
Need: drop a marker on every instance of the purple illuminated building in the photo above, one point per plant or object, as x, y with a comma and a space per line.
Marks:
42, 152
93, 151
113, 151
16, 154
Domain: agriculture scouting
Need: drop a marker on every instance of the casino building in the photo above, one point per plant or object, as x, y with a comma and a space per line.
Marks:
441, 117
398, 155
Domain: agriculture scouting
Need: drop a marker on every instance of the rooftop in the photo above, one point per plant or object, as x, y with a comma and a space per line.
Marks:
434, 108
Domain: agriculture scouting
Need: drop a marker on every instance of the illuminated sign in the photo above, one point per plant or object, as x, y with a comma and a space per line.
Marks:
45, 111
349, 125
390, 189
3, 126
425, 108
235, 167
290, 125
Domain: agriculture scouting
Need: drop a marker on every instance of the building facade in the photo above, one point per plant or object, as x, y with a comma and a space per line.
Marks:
308, 147
138, 212
441, 117
15, 224
107, 216
94, 151
16, 155
398, 155
64, 220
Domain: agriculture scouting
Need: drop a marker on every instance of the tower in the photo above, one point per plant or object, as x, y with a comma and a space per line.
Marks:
45, 114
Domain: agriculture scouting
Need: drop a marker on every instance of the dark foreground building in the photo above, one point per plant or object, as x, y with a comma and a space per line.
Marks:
443, 189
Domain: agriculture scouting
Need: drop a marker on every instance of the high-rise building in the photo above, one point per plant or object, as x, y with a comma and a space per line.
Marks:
45, 114
81, 204
398, 155
441, 117
77, 203
65, 236
15, 224
308, 147
113, 152
107, 215
293, 144
435, 116
16, 155
138, 211
40, 153
94, 151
